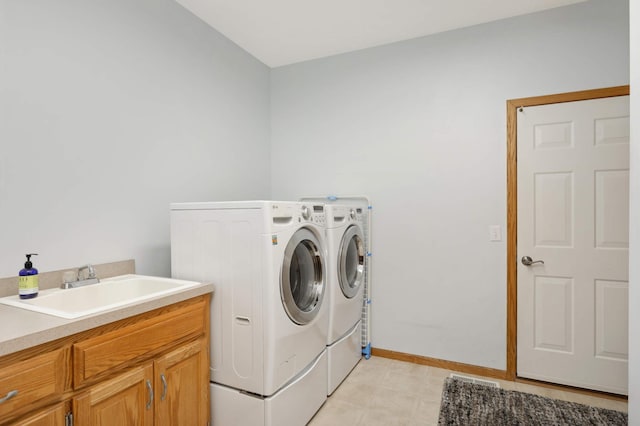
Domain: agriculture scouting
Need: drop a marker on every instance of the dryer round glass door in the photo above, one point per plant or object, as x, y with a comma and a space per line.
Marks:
351, 261
302, 277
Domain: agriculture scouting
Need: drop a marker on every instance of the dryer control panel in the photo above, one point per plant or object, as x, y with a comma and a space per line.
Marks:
356, 214
313, 213
338, 215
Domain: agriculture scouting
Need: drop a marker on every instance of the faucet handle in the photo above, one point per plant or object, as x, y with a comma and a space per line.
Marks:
91, 271
69, 277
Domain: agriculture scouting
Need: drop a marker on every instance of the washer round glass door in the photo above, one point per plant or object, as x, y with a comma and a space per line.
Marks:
302, 277
351, 261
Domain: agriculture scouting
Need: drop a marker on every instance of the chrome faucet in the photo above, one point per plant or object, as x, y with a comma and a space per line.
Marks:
80, 280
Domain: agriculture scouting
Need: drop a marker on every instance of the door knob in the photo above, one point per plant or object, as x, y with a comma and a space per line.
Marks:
528, 261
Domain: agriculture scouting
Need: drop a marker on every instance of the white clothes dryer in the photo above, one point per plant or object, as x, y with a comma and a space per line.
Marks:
269, 316
345, 286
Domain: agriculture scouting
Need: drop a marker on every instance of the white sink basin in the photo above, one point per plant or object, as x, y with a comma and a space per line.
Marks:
110, 293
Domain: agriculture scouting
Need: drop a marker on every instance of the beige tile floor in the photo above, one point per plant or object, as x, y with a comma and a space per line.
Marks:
381, 391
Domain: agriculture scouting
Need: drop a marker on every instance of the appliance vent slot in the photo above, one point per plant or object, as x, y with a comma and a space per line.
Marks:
475, 381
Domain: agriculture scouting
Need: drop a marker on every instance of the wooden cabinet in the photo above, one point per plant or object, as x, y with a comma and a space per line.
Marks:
124, 400
172, 390
151, 369
33, 382
182, 385
99, 356
55, 415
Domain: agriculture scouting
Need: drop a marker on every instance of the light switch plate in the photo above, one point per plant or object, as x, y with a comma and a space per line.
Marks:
495, 233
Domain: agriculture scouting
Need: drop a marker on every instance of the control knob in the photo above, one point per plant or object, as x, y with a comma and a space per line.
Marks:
306, 213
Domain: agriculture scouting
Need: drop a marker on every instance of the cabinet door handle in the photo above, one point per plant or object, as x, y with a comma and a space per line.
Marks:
10, 395
150, 389
164, 387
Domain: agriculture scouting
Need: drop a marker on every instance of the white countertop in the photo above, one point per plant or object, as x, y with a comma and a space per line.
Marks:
21, 329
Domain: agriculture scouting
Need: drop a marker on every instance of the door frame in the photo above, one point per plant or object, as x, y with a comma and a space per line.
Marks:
512, 200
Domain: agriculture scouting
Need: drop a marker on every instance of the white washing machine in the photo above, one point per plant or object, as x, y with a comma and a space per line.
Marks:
269, 316
345, 287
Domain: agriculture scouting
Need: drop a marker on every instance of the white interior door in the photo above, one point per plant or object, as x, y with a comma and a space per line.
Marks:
573, 214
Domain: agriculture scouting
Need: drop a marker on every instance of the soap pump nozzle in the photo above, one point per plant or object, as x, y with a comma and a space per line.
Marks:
28, 264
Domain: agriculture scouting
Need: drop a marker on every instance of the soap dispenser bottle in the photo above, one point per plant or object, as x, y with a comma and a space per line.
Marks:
28, 281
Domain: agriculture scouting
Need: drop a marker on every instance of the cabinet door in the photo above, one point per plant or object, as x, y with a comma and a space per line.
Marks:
126, 400
50, 416
182, 385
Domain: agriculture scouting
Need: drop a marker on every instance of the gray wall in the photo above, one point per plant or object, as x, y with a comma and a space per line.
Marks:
420, 127
634, 215
109, 111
